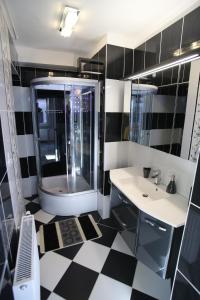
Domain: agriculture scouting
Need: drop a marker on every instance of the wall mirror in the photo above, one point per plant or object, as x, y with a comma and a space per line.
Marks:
165, 110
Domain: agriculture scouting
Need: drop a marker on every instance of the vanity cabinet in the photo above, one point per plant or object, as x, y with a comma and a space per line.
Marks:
153, 242
158, 245
126, 215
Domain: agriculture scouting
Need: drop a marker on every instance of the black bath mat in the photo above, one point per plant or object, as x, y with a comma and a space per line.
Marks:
68, 232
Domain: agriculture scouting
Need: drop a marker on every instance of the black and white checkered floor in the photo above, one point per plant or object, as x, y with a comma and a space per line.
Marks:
102, 269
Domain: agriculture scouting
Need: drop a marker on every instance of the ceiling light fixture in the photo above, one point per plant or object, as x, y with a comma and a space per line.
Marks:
166, 66
68, 21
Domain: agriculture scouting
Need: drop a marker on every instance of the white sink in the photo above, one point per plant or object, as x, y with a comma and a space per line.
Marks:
143, 188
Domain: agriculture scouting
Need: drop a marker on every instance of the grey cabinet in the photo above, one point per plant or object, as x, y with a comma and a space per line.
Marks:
154, 243
126, 214
157, 245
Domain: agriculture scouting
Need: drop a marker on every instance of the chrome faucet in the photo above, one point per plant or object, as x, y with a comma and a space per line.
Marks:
156, 174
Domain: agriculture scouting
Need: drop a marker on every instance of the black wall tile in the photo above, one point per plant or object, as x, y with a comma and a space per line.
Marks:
175, 74
191, 32
179, 120
28, 122
152, 51
27, 74
2, 249
185, 72
106, 190
102, 59
139, 58
171, 38
183, 290
196, 188
189, 263
169, 120
128, 68
6, 291
32, 165
2, 156
6, 199
19, 120
167, 76
115, 62
24, 167
125, 127
113, 127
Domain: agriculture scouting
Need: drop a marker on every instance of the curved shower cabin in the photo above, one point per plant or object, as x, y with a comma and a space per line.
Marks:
65, 132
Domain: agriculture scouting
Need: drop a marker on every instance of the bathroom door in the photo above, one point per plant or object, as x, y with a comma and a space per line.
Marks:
79, 102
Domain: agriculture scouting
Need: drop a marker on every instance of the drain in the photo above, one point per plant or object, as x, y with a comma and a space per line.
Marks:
145, 195
60, 191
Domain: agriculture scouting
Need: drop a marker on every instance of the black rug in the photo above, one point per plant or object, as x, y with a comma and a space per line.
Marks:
68, 232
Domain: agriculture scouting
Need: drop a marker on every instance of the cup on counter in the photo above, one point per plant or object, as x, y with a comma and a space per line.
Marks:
146, 172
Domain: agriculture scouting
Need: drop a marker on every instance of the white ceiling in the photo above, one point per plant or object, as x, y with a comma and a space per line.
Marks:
36, 21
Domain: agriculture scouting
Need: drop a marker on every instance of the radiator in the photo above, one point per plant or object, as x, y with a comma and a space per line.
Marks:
26, 284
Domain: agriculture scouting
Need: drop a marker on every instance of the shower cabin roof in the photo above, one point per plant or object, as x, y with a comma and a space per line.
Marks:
61, 83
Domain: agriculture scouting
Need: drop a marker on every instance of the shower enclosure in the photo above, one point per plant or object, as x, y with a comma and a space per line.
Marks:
65, 133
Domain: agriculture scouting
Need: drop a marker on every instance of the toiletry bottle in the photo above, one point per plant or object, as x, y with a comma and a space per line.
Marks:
171, 188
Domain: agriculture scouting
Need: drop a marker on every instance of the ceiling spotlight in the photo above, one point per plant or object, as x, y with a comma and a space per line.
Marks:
69, 19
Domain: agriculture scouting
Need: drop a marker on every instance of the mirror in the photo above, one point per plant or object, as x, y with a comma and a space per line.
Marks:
164, 110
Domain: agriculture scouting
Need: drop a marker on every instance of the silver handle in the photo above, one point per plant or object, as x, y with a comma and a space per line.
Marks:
150, 223
119, 196
124, 224
125, 201
162, 228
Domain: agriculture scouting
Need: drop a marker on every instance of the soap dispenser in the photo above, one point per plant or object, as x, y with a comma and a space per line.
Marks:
171, 188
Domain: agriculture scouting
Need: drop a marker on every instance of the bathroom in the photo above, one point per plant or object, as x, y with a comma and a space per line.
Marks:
99, 155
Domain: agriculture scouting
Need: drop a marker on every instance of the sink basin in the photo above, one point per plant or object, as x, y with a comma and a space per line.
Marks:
143, 188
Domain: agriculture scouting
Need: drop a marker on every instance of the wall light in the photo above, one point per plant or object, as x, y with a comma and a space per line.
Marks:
166, 66
69, 19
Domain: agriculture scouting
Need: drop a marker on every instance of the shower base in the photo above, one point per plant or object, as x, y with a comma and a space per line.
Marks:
59, 196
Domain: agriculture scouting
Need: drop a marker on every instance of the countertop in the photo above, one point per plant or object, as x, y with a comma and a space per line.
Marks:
171, 210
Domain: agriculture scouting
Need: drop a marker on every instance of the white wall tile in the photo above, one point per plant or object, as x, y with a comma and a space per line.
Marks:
21, 145
114, 95
26, 187
30, 145
22, 99
115, 155
165, 136
143, 156
25, 145
127, 96
33, 185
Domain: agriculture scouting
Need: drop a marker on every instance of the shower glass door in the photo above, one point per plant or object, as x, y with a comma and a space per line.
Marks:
79, 120
50, 117
65, 135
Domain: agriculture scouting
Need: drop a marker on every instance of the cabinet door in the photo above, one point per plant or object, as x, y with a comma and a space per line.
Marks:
153, 245
126, 215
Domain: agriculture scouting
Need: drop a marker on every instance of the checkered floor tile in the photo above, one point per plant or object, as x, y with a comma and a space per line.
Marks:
100, 269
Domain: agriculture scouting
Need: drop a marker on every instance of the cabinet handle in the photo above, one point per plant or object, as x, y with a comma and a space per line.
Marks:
119, 196
150, 223
125, 201
162, 228
124, 224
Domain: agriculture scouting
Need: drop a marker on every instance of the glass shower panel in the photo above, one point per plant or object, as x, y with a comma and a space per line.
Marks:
50, 111
80, 137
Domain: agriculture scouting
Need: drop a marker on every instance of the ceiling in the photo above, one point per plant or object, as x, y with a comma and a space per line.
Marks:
36, 21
